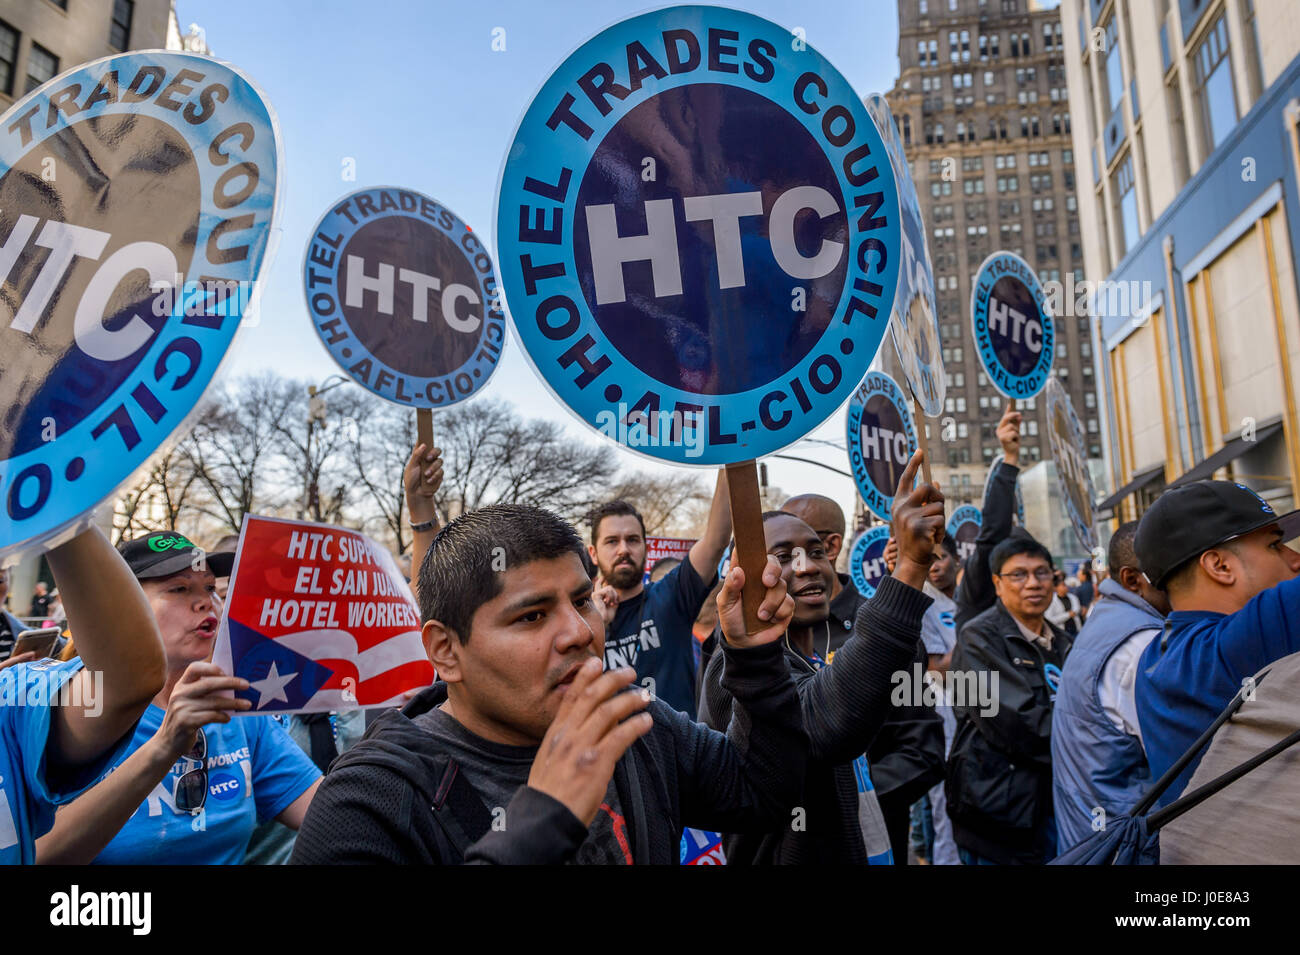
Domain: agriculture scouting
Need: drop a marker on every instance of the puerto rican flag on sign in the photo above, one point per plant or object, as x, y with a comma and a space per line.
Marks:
318, 618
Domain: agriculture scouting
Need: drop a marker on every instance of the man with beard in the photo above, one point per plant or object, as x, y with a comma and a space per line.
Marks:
1000, 768
906, 756
844, 704
651, 630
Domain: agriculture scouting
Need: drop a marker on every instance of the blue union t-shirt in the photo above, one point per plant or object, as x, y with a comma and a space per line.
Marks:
652, 632
27, 798
255, 771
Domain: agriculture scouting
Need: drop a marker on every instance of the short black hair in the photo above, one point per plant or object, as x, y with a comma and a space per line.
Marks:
1121, 552
770, 515
613, 509
1014, 546
949, 543
462, 569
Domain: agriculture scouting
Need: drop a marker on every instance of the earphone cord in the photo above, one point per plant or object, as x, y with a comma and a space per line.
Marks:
801, 656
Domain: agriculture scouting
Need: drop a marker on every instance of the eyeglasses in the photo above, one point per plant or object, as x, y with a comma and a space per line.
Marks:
191, 790
1018, 577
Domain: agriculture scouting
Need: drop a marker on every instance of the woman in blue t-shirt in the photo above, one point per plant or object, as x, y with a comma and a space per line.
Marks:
196, 782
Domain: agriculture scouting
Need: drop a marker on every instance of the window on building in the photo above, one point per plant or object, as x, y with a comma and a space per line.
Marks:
965, 46
954, 51
934, 52
1114, 75
119, 30
8, 57
42, 65
923, 7
1214, 89
1127, 199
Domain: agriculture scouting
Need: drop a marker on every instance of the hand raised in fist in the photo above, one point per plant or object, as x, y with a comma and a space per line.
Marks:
422, 478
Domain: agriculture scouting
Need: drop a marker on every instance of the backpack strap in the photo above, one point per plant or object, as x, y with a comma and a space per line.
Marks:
1193, 799
459, 810
1172, 773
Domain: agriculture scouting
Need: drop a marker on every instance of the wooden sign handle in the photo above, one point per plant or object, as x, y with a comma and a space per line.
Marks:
424, 427
751, 545
921, 440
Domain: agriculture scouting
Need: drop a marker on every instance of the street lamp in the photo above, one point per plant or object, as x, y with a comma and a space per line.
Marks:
315, 413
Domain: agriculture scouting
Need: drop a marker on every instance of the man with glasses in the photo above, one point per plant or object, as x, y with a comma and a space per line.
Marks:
1007, 666
196, 782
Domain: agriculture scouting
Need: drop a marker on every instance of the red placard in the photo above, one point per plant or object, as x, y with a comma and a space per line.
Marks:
318, 618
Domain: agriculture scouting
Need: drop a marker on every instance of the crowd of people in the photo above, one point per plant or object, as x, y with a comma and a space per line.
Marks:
979, 711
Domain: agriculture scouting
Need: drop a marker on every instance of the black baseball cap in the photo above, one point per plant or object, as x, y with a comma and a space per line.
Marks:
164, 553
1186, 521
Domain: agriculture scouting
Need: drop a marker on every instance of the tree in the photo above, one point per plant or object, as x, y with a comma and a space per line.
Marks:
490, 455
675, 504
379, 441
233, 446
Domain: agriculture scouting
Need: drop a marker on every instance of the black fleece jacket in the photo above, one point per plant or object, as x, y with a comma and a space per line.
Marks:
394, 798
843, 706
975, 592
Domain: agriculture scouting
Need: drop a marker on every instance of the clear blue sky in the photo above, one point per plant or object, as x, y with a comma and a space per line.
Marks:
414, 92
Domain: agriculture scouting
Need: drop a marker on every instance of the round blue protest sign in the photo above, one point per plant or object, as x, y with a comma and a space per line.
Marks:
964, 526
698, 235
138, 200
867, 560
914, 325
1015, 337
1019, 515
1073, 478
881, 439
404, 296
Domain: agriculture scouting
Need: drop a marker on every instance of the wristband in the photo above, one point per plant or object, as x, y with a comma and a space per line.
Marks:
424, 525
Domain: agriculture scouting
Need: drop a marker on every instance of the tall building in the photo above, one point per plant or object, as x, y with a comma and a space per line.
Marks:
1185, 127
39, 39
984, 116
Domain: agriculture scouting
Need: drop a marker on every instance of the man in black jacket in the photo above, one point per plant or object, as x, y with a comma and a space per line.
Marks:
906, 756
1005, 669
844, 704
975, 592
524, 752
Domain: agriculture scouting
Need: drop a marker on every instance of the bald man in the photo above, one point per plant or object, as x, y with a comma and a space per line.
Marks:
824, 516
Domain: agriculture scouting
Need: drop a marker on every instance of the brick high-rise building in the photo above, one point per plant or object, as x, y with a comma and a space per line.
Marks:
982, 109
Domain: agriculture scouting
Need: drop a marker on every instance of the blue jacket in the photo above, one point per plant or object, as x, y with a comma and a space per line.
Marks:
1093, 763
1205, 657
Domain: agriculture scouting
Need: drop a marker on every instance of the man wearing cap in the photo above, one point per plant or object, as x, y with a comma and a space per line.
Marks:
1219, 551
196, 782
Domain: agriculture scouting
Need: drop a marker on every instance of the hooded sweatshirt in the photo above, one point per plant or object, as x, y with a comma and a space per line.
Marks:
402, 796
